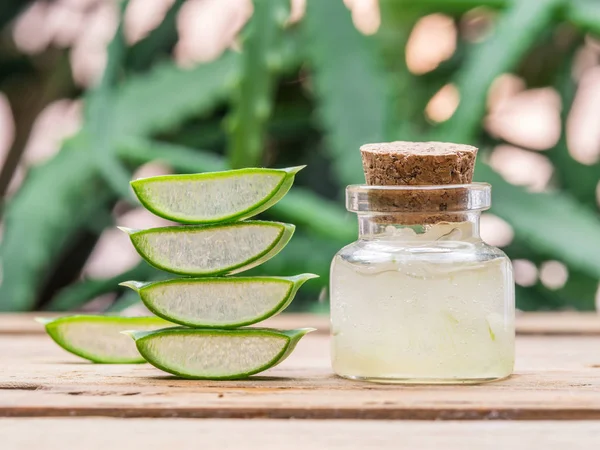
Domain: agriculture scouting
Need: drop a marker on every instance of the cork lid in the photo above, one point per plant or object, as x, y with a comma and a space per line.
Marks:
418, 163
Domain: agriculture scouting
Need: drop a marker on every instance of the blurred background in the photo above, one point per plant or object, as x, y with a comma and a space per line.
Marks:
94, 93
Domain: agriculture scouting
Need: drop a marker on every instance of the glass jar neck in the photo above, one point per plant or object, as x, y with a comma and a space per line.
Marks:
408, 227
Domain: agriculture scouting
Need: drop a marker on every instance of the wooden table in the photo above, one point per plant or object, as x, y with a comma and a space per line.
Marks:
50, 399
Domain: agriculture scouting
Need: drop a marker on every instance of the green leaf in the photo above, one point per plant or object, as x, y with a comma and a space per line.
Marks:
350, 86
253, 97
553, 223
584, 14
452, 6
57, 197
159, 42
139, 151
99, 116
578, 292
127, 300
161, 99
321, 216
517, 29
547, 222
579, 180
290, 51
76, 295
529, 299
406, 118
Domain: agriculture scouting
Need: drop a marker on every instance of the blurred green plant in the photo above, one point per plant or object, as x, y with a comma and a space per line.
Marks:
256, 107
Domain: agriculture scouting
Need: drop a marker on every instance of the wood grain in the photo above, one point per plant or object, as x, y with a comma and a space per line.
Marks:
557, 377
550, 323
559, 323
186, 434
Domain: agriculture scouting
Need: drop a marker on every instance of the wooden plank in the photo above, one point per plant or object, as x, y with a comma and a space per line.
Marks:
557, 377
184, 434
559, 323
551, 323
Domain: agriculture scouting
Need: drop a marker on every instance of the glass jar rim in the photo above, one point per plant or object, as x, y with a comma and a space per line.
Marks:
362, 198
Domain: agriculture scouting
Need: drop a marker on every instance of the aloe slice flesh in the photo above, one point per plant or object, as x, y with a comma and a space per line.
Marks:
214, 354
98, 338
211, 249
219, 302
216, 196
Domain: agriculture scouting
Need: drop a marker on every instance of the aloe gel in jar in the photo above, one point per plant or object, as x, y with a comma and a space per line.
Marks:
420, 298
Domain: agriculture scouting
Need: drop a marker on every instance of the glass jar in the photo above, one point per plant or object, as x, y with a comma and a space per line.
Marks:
420, 298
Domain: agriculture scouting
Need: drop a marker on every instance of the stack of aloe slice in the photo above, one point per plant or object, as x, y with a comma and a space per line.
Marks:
209, 306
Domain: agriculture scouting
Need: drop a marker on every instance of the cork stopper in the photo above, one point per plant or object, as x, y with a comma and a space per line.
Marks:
420, 164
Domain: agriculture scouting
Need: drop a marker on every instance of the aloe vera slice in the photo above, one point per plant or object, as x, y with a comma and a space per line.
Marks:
211, 249
99, 338
219, 302
214, 354
214, 197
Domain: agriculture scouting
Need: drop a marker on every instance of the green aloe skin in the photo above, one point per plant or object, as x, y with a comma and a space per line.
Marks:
208, 250
201, 196
219, 302
97, 338
214, 241
216, 354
